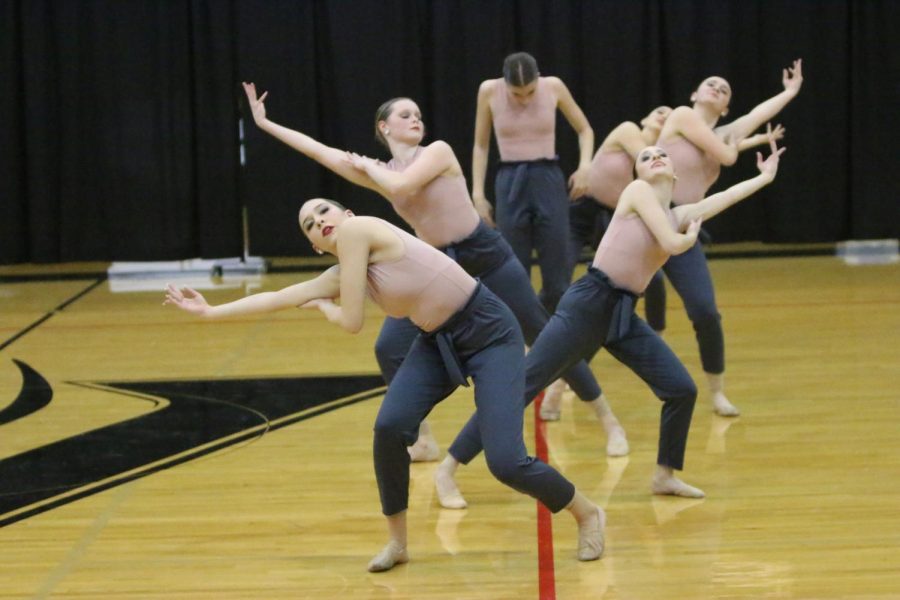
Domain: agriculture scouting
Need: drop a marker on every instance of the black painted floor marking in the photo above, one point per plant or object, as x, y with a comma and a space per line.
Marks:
189, 419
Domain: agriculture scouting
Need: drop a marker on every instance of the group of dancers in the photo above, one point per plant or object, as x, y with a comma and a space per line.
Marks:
458, 298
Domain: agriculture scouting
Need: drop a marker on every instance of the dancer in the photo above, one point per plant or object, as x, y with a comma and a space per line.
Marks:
464, 330
611, 170
597, 311
532, 207
426, 187
698, 148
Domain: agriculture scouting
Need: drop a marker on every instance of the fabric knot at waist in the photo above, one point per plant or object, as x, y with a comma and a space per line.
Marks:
443, 337
621, 304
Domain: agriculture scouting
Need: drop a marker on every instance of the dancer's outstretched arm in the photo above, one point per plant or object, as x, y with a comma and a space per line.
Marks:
326, 285
792, 79
327, 156
761, 138
716, 203
435, 160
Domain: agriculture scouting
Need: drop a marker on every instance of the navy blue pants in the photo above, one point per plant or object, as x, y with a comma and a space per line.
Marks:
487, 256
532, 213
486, 344
689, 275
588, 221
592, 315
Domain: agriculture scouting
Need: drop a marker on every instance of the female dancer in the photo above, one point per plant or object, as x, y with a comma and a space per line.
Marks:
464, 330
611, 170
532, 208
426, 187
597, 311
699, 148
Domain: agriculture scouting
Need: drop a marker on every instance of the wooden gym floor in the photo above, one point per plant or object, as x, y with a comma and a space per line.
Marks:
144, 454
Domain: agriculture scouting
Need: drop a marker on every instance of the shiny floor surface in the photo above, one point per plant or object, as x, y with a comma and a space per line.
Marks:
145, 454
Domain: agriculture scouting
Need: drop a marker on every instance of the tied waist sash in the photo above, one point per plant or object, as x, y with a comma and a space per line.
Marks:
620, 303
443, 337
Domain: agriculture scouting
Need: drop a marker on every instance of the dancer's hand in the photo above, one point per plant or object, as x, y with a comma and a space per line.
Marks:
775, 134
693, 229
326, 306
186, 299
256, 104
358, 161
792, 77
769, 166
484, 209
578, 183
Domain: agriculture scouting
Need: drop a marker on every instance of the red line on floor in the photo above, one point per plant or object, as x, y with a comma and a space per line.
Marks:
546, 575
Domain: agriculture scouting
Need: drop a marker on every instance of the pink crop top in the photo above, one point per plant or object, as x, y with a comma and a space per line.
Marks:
696, 170
424, 284
524, 132
441, 212
610, 173
629, 253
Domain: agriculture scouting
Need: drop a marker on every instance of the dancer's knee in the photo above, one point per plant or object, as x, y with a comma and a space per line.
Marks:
391, 430
505, 469
706, 319
389, 358
682, 390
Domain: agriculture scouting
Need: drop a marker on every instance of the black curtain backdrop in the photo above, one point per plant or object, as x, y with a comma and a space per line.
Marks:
120, 137
123, 142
